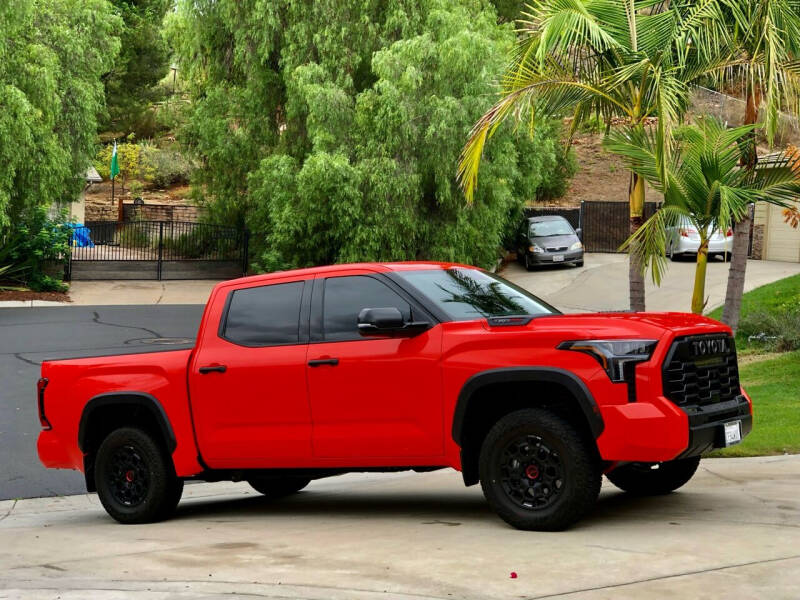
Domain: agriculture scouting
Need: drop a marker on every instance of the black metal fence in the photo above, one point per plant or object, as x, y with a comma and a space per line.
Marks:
157, 250
605, 225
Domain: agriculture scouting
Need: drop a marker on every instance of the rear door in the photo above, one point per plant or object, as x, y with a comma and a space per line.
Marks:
372, 397
247, 379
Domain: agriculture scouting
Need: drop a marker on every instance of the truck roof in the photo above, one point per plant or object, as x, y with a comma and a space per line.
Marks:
380, 267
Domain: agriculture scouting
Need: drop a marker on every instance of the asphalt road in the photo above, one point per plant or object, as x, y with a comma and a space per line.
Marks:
30, 335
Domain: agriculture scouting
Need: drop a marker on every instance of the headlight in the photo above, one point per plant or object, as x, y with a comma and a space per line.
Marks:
576, 246
535, 249
614, 355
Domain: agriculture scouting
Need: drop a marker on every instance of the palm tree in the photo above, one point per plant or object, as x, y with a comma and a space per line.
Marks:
703, 183
632, 59
765, 36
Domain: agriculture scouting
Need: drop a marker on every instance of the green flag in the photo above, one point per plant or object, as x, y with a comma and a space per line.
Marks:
114, 164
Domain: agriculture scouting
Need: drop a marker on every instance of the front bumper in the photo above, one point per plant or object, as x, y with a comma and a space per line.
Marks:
706, 424
659, 430
546, 258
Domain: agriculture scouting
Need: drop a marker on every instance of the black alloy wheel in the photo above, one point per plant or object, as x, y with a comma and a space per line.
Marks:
532, 472
135, 477
128, 476
538, 471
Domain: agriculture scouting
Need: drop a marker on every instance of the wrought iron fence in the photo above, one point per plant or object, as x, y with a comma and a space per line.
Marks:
159, 242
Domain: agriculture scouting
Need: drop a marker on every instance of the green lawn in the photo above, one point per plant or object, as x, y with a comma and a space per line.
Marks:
766, 297
773, 297
774, 386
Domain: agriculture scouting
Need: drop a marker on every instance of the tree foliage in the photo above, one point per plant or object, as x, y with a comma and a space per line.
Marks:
703, 184
130, 85
605, 59
52, 55
332, 129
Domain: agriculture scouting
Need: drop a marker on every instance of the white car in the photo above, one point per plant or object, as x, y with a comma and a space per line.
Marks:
683, 239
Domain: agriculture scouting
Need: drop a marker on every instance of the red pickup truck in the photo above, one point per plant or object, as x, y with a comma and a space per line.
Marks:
305, 374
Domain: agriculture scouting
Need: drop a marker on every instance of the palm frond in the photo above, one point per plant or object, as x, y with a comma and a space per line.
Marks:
648, 244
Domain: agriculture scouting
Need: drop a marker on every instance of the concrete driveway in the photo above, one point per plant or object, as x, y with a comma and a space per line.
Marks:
732, 532
602, 284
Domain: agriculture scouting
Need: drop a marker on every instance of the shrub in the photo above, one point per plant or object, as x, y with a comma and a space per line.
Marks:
129, 158
29, 246
166, 167
775, 331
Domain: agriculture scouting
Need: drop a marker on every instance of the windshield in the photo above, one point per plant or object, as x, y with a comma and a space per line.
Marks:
467, 294
550, 228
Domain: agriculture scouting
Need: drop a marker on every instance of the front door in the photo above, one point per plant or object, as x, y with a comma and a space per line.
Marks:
372, 398
248, 380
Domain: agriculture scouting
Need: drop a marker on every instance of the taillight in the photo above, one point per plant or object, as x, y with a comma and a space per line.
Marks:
40, 386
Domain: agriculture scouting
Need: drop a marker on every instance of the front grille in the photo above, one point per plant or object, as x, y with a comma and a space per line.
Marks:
701, 370
556, 248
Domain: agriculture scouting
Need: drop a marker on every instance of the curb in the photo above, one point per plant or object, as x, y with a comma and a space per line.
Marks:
31, 303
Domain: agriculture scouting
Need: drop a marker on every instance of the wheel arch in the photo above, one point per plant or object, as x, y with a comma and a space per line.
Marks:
105, 412
477, 408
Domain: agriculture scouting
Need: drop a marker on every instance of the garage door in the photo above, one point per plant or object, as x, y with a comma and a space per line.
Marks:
783, 242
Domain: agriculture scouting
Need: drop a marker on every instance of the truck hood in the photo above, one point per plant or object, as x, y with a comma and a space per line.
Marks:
621, 325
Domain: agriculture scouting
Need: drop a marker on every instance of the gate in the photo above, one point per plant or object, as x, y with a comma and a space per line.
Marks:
157, 250
605, 225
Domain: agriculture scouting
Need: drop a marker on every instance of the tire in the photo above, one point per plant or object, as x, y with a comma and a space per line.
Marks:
135, 478
671, 253
558, 485
646, 479
275, 488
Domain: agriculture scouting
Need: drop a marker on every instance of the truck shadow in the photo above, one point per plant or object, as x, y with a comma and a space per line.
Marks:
451, 508
435, 508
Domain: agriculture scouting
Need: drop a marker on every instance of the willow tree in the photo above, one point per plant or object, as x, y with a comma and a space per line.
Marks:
627, 59
765, 39
330, 128
703, 183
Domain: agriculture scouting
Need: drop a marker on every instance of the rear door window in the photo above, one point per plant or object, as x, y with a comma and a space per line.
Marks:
264, 316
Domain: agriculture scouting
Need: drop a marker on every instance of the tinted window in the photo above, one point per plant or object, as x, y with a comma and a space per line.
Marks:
466, 294
345, 297
265, 316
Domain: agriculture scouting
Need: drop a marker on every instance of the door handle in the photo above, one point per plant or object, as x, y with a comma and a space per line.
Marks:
318, 362
213, 369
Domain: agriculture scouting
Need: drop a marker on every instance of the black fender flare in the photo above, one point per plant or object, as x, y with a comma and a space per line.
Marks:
128, 398
569, 380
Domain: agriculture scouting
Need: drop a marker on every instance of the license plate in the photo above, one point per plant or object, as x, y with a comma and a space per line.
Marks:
733, 433
558, 258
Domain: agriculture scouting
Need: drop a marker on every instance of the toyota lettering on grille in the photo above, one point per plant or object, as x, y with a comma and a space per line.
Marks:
707, 347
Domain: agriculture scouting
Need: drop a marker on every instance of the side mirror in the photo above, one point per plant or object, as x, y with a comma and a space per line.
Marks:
579, 233
382, 321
